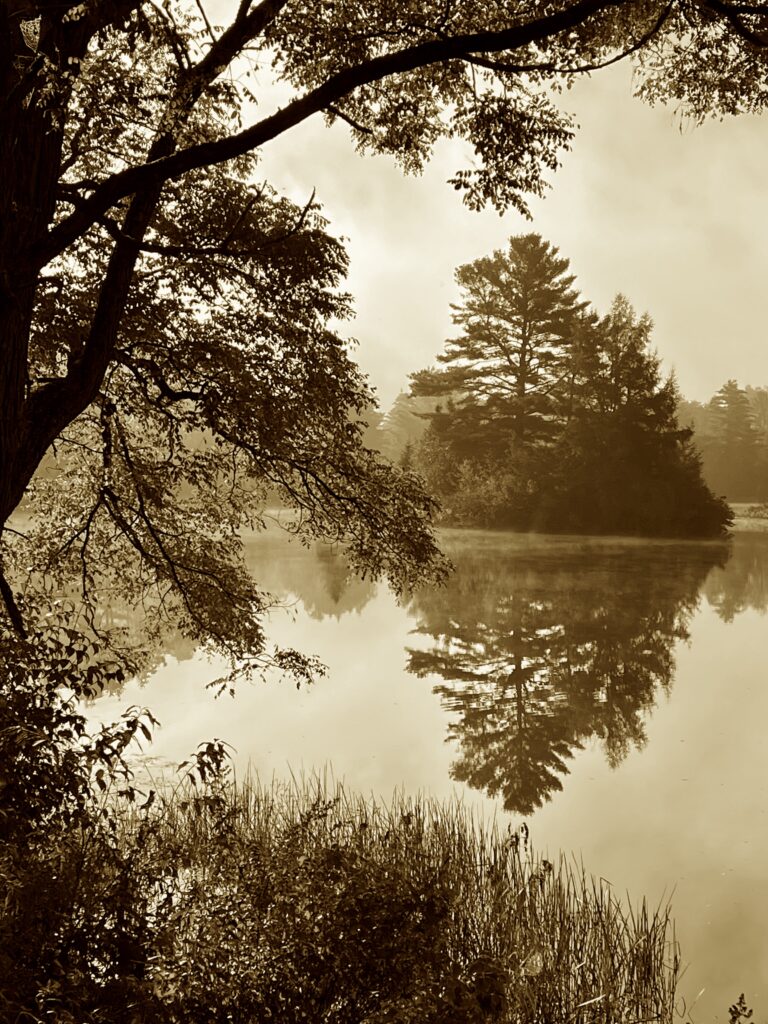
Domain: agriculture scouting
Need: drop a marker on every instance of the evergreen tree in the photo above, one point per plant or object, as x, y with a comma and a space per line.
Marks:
573, 430
758, 403
504, 377
693, 415
624, 464
517, 317
402, 425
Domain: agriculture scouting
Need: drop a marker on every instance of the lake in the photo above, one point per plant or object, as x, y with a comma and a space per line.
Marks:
612, 693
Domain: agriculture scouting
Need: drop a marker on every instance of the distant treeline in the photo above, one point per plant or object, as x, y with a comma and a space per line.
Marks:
543, 415
731, 434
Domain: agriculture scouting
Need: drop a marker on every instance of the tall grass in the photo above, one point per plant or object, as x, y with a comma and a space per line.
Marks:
304, 903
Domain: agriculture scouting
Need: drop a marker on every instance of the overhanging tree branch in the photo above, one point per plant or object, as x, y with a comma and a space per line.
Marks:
170, 394
732, 14
580, 69
48, 410
14, 612
349, 120
221, 249
156, 172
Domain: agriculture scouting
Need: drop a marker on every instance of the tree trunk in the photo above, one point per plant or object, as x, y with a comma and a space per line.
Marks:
30, 156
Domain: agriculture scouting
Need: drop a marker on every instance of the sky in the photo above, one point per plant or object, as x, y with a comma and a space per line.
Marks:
673, 217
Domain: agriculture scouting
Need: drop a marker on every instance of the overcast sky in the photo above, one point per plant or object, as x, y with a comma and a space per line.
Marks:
673, 219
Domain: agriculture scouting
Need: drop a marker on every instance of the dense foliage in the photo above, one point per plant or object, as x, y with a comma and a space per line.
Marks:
57, 849
168, 358
226, 390
146, 274
553, 418
518, 316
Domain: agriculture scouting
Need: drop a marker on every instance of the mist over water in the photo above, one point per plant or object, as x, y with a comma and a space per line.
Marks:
610, 692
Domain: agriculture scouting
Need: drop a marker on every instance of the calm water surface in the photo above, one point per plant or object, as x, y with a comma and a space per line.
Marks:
611, 693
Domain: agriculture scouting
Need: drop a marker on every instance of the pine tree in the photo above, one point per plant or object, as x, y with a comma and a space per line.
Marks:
504, 377
624, 464
517, 316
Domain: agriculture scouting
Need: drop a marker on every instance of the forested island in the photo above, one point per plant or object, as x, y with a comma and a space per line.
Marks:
544, 415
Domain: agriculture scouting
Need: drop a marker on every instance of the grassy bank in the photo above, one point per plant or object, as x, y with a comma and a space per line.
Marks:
246, 903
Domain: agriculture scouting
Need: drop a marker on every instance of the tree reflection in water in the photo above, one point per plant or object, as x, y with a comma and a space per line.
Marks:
319, 576
543, 643
742, 583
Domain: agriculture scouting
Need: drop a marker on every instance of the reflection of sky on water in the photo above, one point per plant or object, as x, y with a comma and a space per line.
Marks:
366, 718
689, 813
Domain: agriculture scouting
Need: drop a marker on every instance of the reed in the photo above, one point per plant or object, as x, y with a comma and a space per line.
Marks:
302, 902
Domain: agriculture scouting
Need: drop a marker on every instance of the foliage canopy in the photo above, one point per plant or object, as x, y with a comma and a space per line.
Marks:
518, 317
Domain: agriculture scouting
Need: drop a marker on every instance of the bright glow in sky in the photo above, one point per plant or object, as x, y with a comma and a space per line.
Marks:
671, 218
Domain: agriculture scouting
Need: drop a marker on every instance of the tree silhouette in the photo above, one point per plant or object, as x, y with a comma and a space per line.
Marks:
539, 647
624, 464
501, 383
554, 419
517, 315
758, 404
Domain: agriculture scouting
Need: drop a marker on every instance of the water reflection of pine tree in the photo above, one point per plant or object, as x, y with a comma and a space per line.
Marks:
536, 655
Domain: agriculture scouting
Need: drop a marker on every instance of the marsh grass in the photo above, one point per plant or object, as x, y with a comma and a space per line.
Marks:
304, 903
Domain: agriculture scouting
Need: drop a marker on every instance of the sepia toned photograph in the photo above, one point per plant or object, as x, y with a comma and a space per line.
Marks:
383, 512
